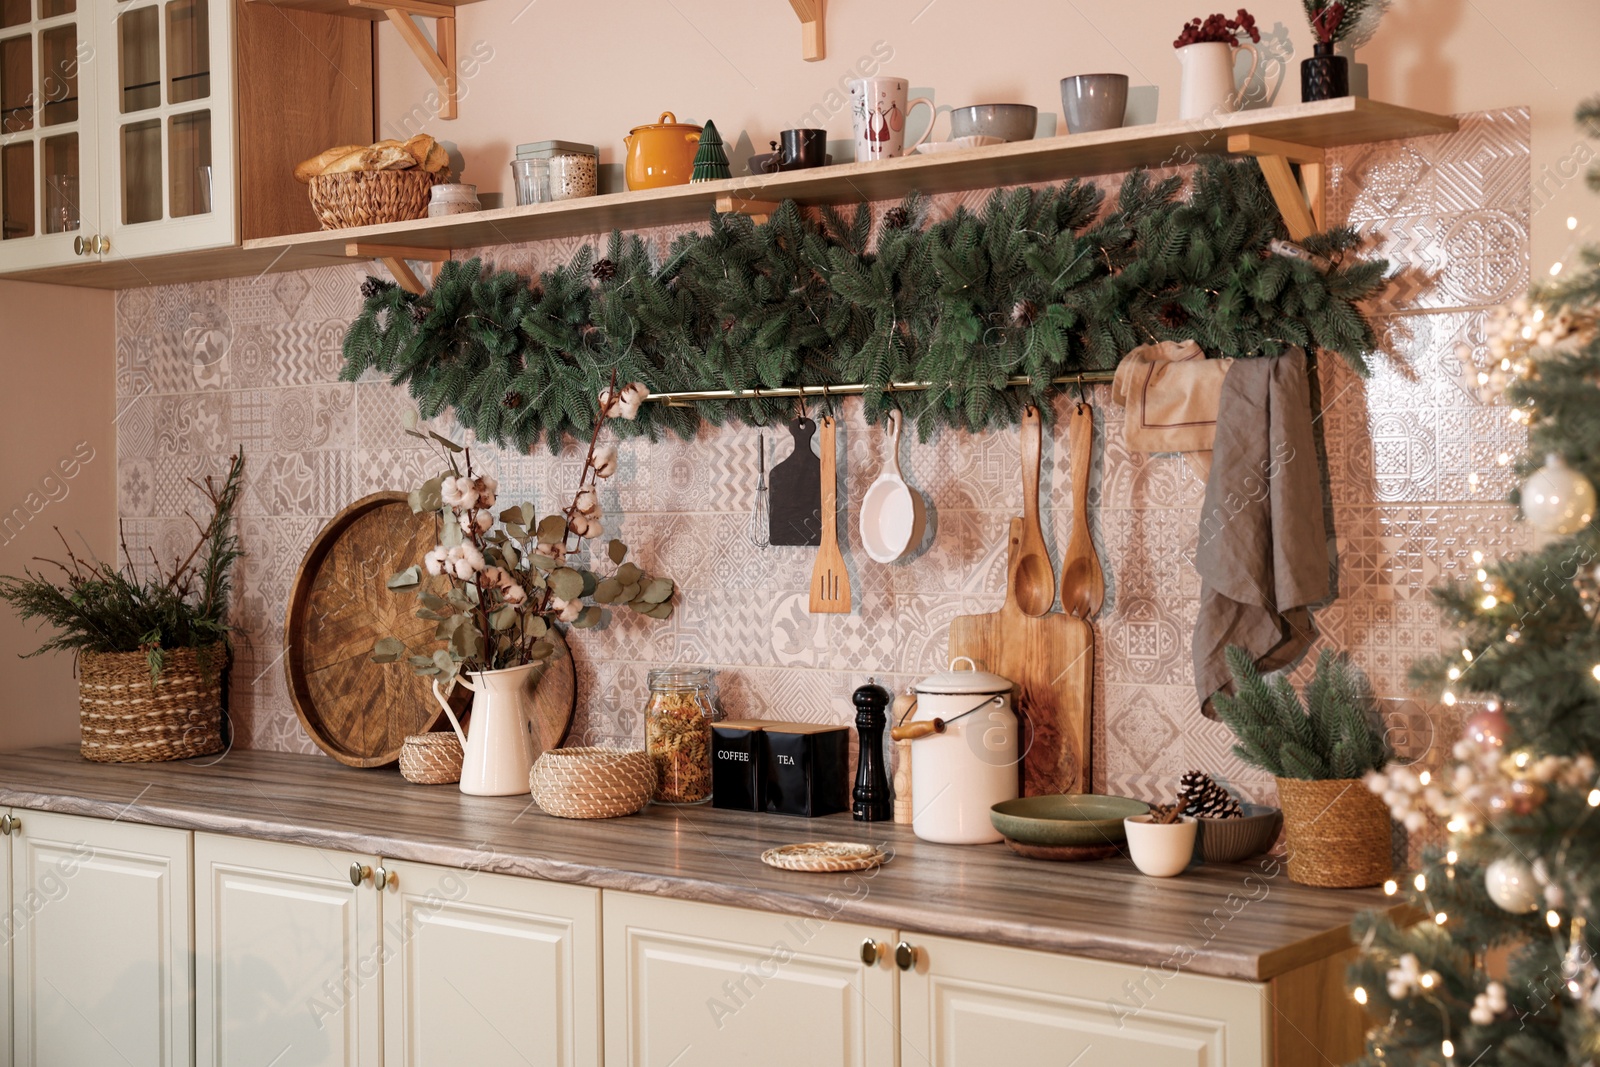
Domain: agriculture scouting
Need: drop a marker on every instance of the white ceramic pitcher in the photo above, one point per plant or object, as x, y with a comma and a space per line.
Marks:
498, 755
1208, 86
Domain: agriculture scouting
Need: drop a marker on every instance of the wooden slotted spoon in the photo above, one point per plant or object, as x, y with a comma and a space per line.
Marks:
1083, 583
830, 581
1033, 577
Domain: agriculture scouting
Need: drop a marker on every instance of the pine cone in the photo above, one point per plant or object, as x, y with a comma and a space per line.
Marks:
604, 270
1203, 798
1172, 316
1023, 313
418, 312
896, 218
513, 400
373, 286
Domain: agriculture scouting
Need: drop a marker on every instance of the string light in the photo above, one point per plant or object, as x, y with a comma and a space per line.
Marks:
1483, 575
1426, 981
1552, 920
1391, 887
1421, 882
1594, 798
1503, 459
1555, 268
1425, 777
1360, 995
1454, 673
1489, 602
1520, 759
1455, 826
1447, 1048
1449, 699
1572, 222
1441, 918
1596, 672
1477, 557
1466, 654
1450, 857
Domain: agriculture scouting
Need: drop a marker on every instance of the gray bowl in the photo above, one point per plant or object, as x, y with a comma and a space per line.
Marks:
1077, 819
1009, 122
1094, 101
1232, 840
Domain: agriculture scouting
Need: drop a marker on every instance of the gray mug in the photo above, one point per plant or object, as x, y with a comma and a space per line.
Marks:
1094, 101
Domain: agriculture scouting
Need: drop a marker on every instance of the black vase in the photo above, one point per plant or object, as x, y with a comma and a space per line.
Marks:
1324, 76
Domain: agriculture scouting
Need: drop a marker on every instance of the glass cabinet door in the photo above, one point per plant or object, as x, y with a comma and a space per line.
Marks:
166, 125
47, 143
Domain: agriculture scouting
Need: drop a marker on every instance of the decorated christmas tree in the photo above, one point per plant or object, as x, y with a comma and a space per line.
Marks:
1501, 969
710, 161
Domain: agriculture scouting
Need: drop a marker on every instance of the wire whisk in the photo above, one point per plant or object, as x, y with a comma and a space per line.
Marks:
761, 516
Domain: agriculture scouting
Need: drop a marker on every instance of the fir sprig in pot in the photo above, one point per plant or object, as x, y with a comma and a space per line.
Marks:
513, 578
152, 641
1338, 833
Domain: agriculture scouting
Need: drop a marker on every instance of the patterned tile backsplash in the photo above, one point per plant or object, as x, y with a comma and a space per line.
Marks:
203, 369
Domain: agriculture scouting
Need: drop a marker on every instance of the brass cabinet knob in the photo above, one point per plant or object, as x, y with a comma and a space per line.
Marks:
905, 955
10, 823
359, 872
872, 951
100, 245
80, 247
384, 877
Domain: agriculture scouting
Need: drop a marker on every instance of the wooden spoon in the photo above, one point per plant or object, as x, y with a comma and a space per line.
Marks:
830, 581
1083, 583
1033, 577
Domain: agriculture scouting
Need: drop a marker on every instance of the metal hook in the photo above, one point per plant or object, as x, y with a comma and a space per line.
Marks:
1081, 397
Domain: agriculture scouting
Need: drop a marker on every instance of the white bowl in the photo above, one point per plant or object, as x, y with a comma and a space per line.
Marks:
1160, 850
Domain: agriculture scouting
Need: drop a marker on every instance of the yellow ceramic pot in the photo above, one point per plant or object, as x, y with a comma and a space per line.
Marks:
661, 153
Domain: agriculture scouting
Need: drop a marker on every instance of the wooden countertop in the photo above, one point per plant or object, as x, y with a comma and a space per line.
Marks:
1234, 921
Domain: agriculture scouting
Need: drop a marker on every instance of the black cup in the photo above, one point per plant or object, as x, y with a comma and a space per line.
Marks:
802, 149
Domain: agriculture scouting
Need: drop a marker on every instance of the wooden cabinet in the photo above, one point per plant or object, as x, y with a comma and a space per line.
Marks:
725, 987
137, 128
490, 970
288, 957
961, 1001
101, 971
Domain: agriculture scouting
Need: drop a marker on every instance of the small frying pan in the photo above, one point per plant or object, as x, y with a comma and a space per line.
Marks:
892, 513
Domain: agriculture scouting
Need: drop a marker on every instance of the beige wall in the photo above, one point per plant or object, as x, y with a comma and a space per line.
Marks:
588, 70
58, 446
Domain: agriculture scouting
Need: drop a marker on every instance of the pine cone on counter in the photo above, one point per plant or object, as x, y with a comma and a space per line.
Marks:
1203, 798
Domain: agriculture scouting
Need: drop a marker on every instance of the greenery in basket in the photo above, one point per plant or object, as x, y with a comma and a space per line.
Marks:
1334, 734
96, 607
511, 583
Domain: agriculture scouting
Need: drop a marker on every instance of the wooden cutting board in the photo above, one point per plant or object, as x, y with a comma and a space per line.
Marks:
357, 711
1051, 660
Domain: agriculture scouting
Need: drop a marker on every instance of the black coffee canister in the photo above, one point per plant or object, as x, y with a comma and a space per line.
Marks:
1324, 76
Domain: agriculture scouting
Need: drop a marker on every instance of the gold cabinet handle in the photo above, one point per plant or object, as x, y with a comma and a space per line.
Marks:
383, 877
80, 247
101, 245
905, 955
359, 872
872, 951
10, 824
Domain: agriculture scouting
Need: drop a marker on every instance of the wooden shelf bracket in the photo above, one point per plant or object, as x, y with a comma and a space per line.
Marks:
398, 259
438, 58
758, 210
1300, 199
813, 41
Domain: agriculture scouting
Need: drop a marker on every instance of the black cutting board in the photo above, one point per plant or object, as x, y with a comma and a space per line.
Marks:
796, 491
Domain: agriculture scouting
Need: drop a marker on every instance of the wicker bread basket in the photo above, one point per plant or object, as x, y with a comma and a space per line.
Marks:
125, 719
371, 197
592, 783
1337, 832
431, 759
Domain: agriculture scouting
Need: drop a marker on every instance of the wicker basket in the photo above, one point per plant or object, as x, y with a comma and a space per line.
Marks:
431, 759
592, 783
125, 719
371, 197
1337, 833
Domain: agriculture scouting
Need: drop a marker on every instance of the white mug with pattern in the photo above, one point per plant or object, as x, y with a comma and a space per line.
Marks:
879, 108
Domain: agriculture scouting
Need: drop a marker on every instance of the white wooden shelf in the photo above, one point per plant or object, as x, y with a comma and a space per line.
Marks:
1304, 130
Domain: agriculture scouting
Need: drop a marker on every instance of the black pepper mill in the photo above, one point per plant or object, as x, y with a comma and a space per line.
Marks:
871, 800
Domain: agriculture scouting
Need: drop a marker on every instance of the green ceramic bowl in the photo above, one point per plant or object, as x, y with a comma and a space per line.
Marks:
1065, 820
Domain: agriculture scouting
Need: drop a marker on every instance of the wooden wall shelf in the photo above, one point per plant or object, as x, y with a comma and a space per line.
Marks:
1292, 135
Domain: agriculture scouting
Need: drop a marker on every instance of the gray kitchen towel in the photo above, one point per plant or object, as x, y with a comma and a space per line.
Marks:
1263, 548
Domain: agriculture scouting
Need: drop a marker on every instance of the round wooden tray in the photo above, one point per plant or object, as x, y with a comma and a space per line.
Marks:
824, 857
357, 711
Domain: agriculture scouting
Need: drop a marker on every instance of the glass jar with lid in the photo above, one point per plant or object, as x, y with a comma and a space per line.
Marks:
677, 730
573, 168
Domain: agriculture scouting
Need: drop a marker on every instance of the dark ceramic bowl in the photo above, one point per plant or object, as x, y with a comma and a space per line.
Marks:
1232, 840
1077, 820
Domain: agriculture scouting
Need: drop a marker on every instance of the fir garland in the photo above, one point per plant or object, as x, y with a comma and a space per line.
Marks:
1041, 283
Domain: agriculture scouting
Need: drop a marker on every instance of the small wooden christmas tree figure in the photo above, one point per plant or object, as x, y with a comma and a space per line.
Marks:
710, 162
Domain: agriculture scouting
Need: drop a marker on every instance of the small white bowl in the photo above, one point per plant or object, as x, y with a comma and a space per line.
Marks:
1160, 850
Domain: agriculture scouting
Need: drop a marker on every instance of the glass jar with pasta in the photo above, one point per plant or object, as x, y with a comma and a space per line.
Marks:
677, 730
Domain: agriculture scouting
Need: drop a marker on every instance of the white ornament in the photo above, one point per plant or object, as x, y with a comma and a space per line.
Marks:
1557, 499
1488, 1004
1510, 883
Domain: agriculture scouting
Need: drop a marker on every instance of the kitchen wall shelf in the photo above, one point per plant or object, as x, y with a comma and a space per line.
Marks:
1282, 137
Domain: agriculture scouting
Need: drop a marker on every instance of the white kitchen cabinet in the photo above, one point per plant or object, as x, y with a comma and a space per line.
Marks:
488, 969
701, 984
99, 942
288, 957
962, 1001
8, 822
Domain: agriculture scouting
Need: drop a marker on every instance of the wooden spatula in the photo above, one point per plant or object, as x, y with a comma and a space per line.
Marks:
830, 582
1083, 583
1033, 578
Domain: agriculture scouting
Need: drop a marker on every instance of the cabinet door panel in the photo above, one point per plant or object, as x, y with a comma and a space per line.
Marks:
713, 986
287, 954
489, 970
964, 1000
100, 914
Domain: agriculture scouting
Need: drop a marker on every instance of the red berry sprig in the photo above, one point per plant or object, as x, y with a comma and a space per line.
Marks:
1219, 28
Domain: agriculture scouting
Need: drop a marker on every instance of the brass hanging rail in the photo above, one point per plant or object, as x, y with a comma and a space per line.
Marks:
695, 396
